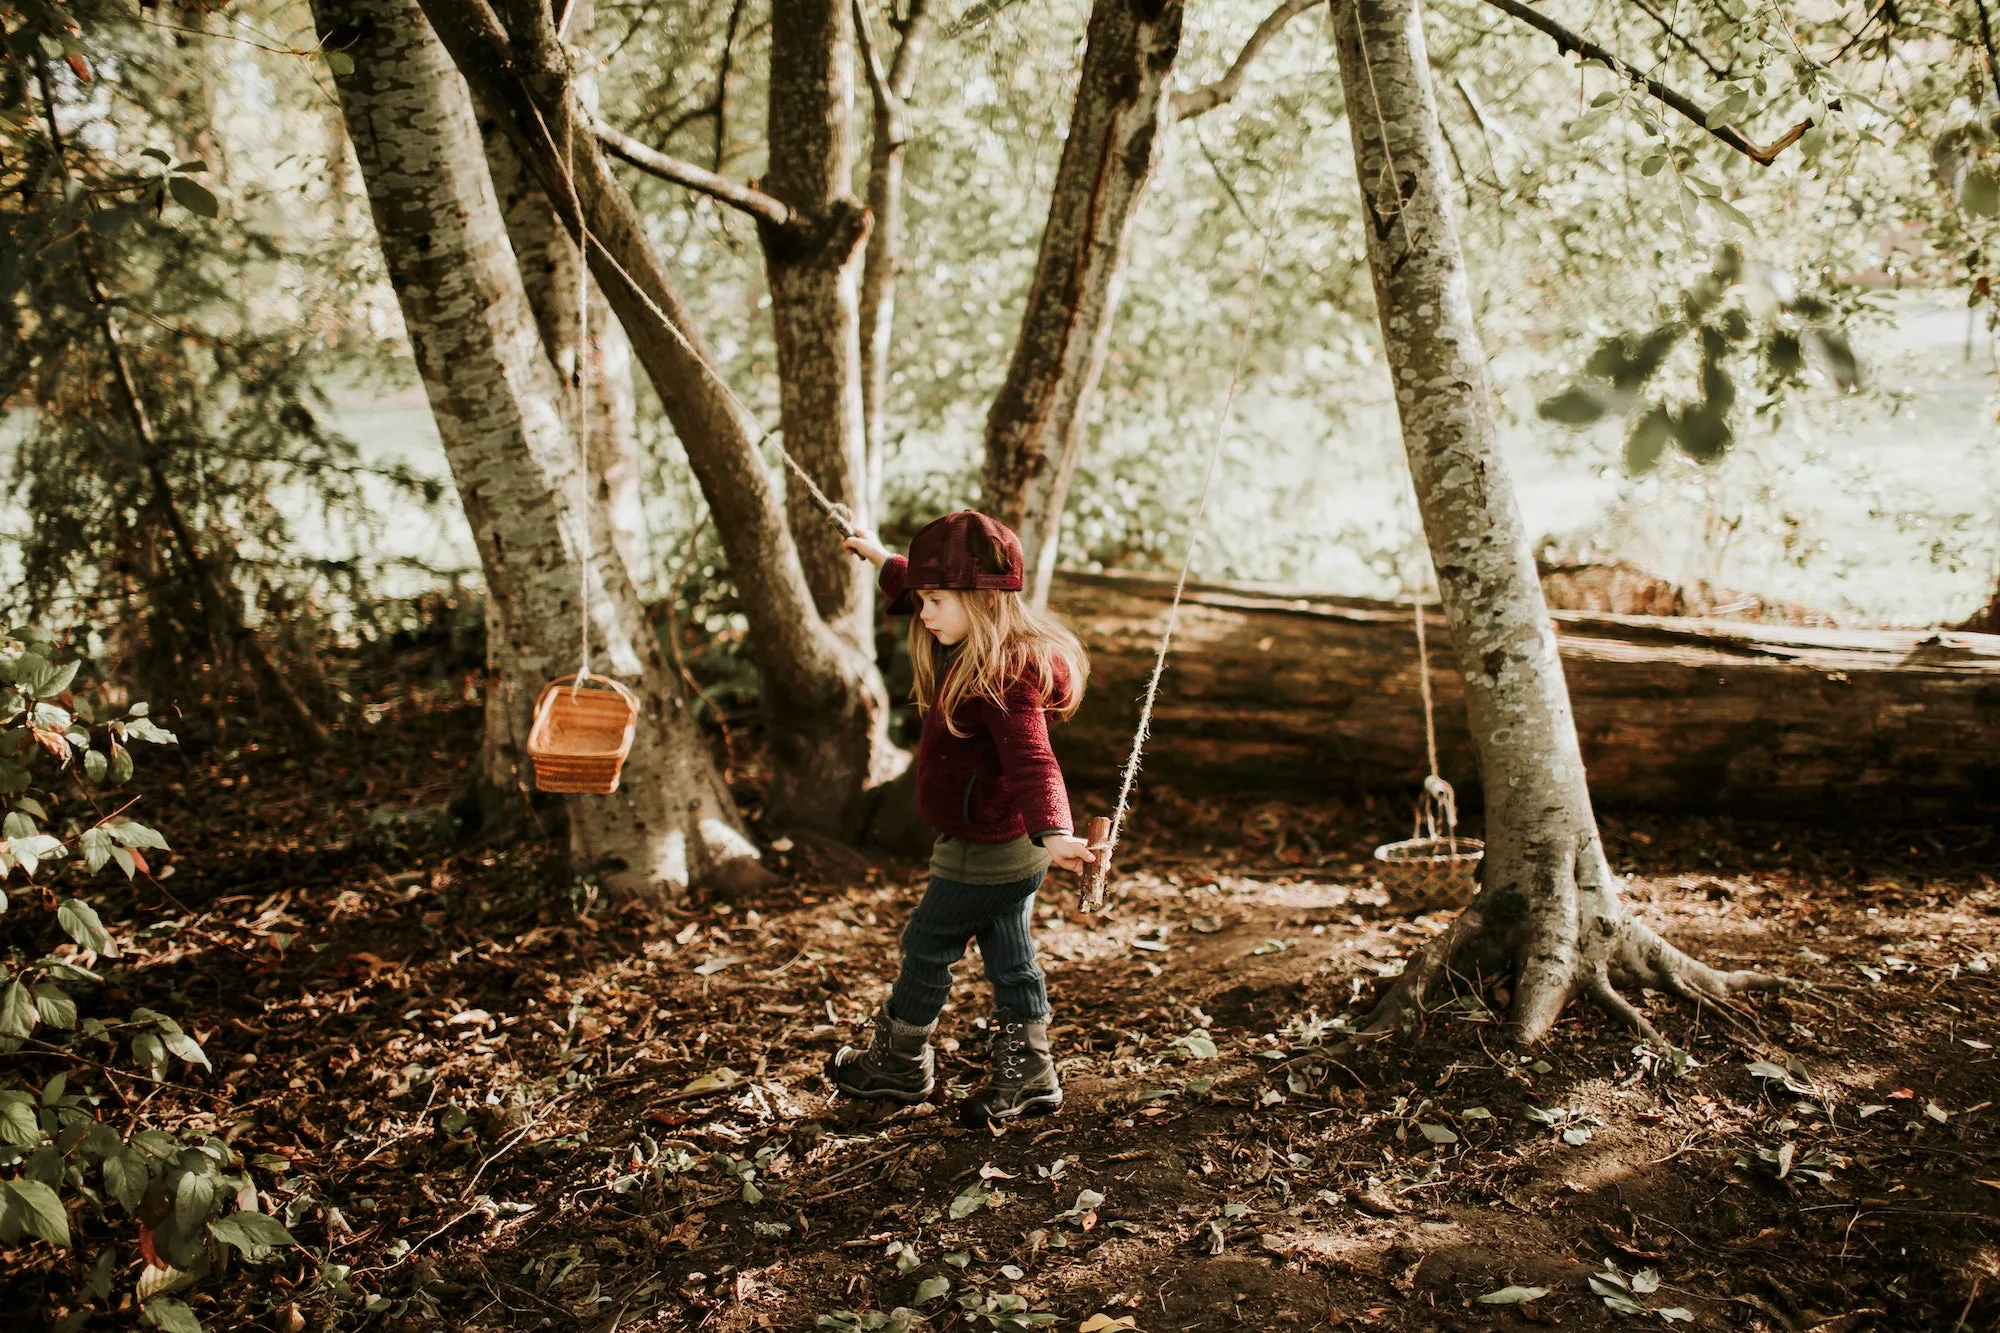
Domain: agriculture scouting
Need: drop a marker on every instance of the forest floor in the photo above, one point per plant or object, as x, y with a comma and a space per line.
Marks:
503, 1106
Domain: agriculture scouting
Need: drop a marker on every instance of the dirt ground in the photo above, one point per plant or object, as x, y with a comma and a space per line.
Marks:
499, 1105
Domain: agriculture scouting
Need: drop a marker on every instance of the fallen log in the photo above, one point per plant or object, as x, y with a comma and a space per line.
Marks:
1276, 690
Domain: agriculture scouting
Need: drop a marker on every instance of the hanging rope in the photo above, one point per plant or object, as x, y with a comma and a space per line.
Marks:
1104, 847
836, 514
1438, 800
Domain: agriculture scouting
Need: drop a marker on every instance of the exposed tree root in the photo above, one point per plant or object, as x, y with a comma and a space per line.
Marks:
1403, 1004
1616, 949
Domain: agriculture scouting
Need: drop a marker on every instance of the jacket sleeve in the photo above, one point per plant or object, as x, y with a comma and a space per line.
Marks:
895, 577
1021, 734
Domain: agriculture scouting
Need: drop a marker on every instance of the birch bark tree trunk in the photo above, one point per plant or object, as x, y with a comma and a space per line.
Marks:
824, 702
501, 413
1117, 131
1549, 901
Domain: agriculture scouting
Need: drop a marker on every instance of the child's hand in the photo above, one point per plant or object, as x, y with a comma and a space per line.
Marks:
1070, 852
864, 545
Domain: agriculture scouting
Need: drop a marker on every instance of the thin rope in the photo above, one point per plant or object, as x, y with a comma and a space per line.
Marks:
1095, 892
835, 513
1424, 682
579, 369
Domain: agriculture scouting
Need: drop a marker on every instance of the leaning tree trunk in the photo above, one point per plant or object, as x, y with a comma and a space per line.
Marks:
823, 699
500, 411
1549, 900
1117, 130
548, 261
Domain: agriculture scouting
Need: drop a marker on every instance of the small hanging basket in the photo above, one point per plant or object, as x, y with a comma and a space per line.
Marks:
583, 731
1432, 870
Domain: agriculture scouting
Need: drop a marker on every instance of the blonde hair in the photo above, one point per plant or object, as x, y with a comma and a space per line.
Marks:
1008, 639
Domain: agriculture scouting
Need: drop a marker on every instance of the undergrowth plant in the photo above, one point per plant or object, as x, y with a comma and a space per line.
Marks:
81, 1169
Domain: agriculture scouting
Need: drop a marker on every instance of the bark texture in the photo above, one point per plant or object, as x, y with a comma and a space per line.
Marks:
500, 411
1547, 887
1282, 690
1117, 131
823, 697
814, 266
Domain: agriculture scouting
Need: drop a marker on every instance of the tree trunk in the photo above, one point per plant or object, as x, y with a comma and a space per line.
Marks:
1117, 130
500, 412
823, 697
1549, 899
1284, 691
548, 261
892, 89
814, 266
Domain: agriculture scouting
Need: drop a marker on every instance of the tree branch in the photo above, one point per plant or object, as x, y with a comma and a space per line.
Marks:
1986, 38
699, 179
1569, 41
1681, 40
889, 108
1186, 106
915, 26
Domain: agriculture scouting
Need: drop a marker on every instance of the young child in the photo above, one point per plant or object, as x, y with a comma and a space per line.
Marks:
989, 668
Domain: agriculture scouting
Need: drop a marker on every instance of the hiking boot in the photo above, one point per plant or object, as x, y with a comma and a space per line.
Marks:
897, 1066
1023, 1080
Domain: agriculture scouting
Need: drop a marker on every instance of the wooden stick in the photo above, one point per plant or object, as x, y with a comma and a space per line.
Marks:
1097, 835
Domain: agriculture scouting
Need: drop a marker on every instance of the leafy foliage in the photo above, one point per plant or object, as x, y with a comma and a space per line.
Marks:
1733, 313
65, 762
164, 340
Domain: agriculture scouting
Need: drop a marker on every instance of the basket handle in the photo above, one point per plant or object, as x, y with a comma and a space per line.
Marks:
1438, 804
577, 680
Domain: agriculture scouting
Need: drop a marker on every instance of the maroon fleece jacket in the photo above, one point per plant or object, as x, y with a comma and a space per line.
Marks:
999, 781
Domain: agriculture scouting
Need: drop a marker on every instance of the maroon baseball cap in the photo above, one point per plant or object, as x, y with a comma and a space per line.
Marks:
962, 551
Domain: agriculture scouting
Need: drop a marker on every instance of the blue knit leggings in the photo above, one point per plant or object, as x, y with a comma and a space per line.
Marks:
1001, 917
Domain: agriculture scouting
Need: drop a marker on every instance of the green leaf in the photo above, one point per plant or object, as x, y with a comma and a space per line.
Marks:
194, 1199
121, 764
969, 1201
255, 1234
171, 1316
80, 919
52, 680
150, 1053
1437, 1134
1979, 194
1814, 141
188, 1049
140, 729
1648, 439
193, 196
1578, 405
1728, 109
159, 155
17, 1011
1840, 359
340, 62
56, 1008
131, 833
1653, 165
18, 825
95, 767
33, 1209
931, 1288
126, 1177
1676, 1314
17, 1122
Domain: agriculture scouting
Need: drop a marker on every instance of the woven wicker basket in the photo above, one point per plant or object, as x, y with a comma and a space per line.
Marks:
1429, 874
582, 732
1432, 870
